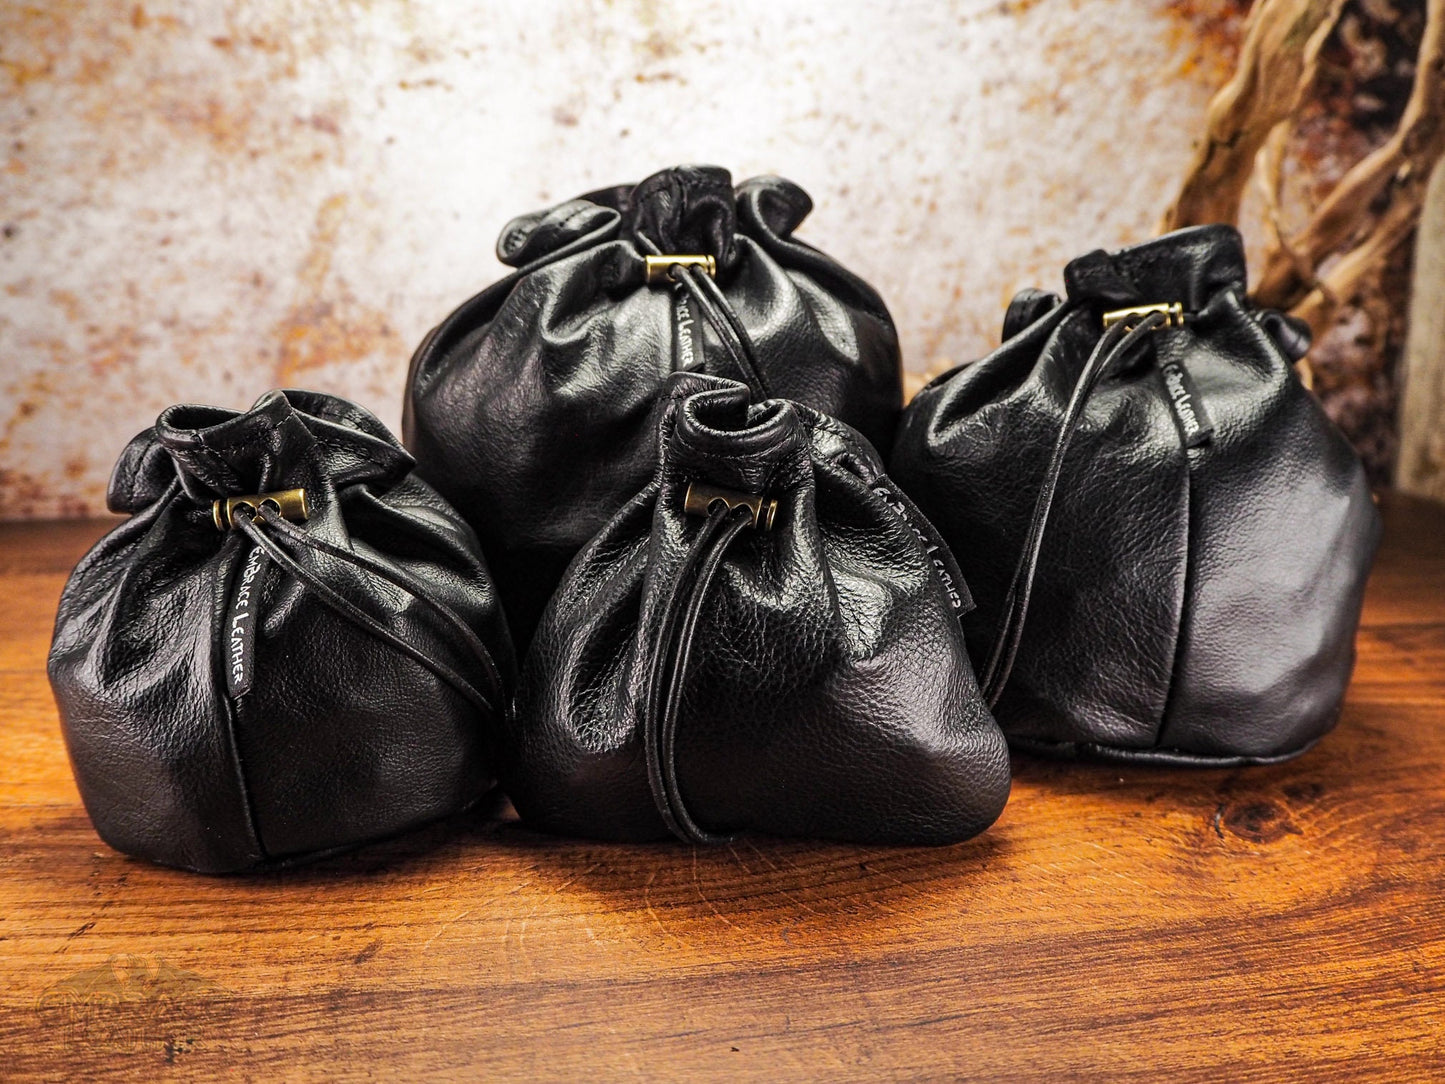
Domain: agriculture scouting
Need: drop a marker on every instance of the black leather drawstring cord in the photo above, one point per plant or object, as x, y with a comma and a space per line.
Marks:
1116, 343
672, 653
714, 305
358, 617
671, 659
719, 313
398, 577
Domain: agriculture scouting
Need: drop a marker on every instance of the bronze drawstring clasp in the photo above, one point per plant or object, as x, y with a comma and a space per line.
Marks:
700, 500
287, 503
1173, 314
659, 268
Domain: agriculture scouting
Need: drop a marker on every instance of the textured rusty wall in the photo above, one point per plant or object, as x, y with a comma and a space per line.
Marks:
202, 201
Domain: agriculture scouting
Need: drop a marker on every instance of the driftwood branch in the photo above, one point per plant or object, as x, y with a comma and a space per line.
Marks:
1248, 130
1277, 63
1421, 466
1400, 167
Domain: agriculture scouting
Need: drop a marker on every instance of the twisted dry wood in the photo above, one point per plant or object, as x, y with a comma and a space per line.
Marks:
1398, 169
1276, 65
1249, 126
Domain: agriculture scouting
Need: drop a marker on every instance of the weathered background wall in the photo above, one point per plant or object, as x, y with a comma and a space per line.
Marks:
201, 201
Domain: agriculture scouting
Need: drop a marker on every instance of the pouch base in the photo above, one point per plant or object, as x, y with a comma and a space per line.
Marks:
1169, 758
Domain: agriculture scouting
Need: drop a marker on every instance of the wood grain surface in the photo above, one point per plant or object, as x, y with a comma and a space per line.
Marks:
1122, 924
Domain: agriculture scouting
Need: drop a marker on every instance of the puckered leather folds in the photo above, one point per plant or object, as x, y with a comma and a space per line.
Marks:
530, 407
804, 680
335, 737
1202, 569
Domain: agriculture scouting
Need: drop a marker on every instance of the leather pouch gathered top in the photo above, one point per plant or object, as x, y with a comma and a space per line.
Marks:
291, 647
765, 639
1185, 530
529, 407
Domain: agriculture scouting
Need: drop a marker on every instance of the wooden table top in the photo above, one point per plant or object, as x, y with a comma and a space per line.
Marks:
1120, 923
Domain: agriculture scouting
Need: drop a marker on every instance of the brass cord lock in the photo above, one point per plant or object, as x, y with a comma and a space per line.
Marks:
659, 268
701, 498
1172, 310
288, 503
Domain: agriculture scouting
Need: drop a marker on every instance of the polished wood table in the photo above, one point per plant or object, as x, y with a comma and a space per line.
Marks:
1117, 923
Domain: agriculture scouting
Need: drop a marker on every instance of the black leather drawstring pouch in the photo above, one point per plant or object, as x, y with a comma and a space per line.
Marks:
530, 406
1167, 538
293, 645
765, 639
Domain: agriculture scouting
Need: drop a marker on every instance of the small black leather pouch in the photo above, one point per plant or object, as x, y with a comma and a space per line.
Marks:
764, 639
292, 645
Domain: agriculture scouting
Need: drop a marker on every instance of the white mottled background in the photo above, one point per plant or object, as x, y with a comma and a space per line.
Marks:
201, 201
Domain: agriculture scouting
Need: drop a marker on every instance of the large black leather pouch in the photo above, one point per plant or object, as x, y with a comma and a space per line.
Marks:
1184, 528
529, 407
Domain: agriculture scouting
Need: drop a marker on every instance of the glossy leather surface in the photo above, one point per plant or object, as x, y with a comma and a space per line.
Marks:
529, 407
829, 693
339, 739
1192, 604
